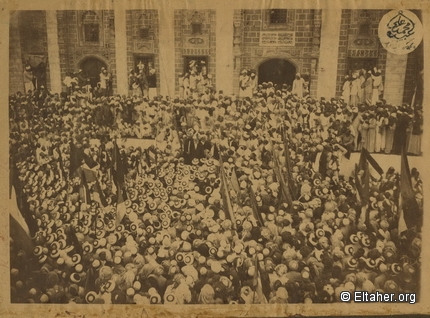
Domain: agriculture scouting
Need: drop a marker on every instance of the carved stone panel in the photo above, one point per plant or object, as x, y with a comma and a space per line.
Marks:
144, 47
193, 41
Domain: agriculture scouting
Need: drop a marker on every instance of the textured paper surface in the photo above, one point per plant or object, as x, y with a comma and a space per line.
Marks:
222, 7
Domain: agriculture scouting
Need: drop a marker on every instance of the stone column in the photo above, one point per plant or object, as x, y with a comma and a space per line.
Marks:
327, 69
224, 50
167, 51
53, 51
315, 53
395, 72
121, 51
16, 80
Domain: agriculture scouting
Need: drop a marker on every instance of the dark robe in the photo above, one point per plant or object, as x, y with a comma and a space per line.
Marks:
190, 151
323, 164
201, 148
214, 149
400, 133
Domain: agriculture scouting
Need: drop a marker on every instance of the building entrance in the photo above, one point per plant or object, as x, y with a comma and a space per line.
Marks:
91, 68
277, 71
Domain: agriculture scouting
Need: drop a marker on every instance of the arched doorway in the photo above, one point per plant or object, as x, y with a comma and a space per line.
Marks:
91, 67
277, 71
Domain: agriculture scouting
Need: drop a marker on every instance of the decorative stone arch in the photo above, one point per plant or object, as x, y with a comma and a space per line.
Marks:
91, 65
277, 69
91, 56
289, 59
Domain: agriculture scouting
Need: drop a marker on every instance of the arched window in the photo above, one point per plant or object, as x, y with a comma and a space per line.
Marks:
90, 27
278, 16
196, 28
144, 22
196, 20
364, 29
277, 19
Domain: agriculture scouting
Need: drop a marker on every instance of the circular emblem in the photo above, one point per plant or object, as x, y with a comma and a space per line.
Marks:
400, 31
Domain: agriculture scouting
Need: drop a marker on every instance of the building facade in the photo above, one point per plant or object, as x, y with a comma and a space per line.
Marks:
322, 45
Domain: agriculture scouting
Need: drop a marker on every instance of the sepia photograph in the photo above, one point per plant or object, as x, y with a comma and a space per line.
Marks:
196, 158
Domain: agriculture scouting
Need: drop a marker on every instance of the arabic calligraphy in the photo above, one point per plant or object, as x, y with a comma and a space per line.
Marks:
275, 38
400, 27
400, 31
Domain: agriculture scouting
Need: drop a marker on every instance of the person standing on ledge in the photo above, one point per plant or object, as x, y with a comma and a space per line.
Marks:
152, 81
298, 86
28, 79
243, 83
378, 87
346, 90
104, 77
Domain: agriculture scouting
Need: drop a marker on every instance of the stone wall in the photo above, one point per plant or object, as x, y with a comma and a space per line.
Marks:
141, 42
348, 30
16, 81
73, 48
414, 65
253, 22
28, 40
189, 44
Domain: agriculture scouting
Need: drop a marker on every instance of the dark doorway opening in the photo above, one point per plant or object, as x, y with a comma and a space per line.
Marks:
91, 68
277, 71
140, 59
357, 64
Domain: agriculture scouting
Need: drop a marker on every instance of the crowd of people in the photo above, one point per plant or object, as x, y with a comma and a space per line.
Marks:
195, 80
143, 81
202, 217
363, 87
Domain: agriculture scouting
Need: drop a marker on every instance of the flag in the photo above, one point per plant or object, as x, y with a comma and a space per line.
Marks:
120, 206
76, 158
16, 214
99, 195
152, 155
258, 285
357, 183
365, 194
362, 160
254, 206
24, 208
410, 213
12, 174
25, 216
226, 196
20, 234
118, 166
147, 158
84, 192
234, 181
413, 98
284, 190
74, 240
90, 174
139, 168
366, 183
402, 227
363, 184
60, 164
288, 166
90, 281
89, 161
371, 160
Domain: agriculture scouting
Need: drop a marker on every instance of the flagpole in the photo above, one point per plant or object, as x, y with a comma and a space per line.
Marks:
95, 224
413, 98
156, 151
227, 198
